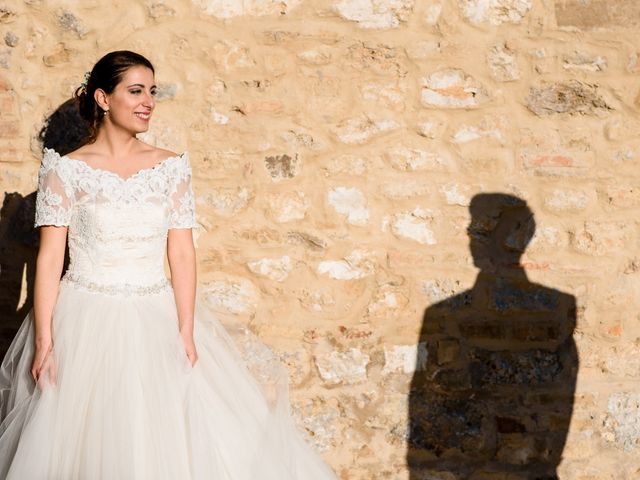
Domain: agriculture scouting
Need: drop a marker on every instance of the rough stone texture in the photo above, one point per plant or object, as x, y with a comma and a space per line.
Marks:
355, 265
404, 359
349, 202
503, 63
337, 148
571, 97
495, 12
414, 225
228, 9
622, 420
597, 13
234, 296
287, 206
277, 269
452, 88
359, 130
343, 367
282, 166
375, 13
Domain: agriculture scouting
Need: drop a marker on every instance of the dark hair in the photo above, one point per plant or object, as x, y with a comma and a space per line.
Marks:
105, 74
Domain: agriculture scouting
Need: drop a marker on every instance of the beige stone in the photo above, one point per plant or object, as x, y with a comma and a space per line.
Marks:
336, 147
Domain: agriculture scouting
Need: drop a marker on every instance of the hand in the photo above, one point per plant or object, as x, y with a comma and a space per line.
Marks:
189, 347
43, 365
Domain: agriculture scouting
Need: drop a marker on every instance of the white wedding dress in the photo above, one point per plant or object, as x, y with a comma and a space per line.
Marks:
125, 402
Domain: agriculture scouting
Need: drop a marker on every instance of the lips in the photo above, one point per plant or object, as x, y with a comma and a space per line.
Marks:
142, 115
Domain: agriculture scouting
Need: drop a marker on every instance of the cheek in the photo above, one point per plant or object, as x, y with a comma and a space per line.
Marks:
126, 102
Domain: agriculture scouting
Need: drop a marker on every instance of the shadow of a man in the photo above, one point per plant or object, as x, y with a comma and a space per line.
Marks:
496, 396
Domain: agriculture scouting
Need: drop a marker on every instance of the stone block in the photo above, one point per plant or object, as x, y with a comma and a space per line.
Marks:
452, 88
282, 166
416, 225
375, 13
405, 359
597, 14
343, 367
495, 12
234, 8
503, 63
277, 269
571, 97
622, 420
287, 206
358, 264
351, 202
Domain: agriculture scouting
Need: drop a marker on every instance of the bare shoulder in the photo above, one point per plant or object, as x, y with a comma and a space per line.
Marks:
84, 153
158, 154
161, 153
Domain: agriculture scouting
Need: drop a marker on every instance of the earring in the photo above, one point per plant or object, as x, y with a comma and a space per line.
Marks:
106, 112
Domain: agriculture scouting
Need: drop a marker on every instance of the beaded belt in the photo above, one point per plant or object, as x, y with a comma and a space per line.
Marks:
126, 289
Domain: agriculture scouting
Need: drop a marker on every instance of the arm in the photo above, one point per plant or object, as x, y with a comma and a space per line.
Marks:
54, 203
181, 253
182, 262
49, 265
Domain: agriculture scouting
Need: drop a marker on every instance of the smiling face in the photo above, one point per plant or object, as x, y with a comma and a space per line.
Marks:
132, 101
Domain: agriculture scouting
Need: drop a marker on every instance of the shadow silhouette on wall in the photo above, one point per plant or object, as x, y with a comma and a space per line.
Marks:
495, 397
64, 131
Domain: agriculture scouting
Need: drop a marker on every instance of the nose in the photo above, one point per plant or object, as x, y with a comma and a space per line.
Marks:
149, 101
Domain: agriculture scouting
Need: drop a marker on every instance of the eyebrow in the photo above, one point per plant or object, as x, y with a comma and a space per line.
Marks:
140, 85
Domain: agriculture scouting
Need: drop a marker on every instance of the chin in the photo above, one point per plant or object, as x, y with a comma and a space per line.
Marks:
136, 130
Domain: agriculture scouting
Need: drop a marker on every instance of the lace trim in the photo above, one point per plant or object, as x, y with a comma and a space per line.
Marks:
54, 198
125, 289
183, 213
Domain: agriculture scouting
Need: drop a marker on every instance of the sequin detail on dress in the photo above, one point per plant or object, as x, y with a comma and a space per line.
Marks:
124, 289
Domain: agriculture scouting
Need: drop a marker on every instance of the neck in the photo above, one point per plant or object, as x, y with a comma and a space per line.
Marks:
511, 272
115, 141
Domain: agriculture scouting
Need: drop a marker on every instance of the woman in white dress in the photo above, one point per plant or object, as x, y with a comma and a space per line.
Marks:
118, 372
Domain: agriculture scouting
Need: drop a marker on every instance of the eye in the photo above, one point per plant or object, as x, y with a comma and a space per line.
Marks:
154, 93
135, 92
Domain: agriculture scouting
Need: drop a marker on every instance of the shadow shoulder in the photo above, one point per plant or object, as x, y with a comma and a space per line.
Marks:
456, 301
563, 297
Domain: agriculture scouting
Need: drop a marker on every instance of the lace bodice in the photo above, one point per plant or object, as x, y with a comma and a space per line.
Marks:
117, 226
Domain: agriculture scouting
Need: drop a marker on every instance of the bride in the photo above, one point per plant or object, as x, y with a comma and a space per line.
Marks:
118, 372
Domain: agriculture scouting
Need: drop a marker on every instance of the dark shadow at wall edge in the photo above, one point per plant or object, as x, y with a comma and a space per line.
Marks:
495, 397
64, 131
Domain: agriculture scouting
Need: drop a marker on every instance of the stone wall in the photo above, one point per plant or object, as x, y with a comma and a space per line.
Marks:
337, 148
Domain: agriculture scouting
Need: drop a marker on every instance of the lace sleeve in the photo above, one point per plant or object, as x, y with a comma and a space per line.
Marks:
183, 212
55, 197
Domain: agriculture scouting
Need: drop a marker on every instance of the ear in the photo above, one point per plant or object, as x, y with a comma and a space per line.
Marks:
101, 99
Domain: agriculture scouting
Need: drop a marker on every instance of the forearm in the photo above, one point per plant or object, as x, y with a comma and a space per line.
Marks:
183, 279
47, 284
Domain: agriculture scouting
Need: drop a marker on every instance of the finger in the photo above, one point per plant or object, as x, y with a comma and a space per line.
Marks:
52, 373
38, 362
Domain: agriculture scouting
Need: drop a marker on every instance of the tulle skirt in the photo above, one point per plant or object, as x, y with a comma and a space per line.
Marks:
125, 402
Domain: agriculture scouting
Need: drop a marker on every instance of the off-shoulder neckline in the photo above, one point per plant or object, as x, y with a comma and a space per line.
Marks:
114, 174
